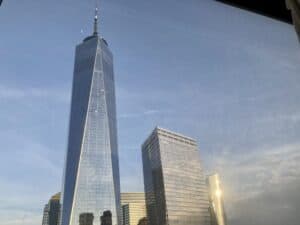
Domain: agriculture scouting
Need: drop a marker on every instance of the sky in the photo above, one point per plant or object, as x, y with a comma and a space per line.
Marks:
226, 77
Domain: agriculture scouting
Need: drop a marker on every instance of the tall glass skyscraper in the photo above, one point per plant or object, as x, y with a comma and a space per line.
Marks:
91, 179
175, 187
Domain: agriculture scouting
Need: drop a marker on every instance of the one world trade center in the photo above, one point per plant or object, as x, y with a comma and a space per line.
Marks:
91, 177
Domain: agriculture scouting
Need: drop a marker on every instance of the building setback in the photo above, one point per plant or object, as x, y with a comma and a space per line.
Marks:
91, 182
133, 207
175, 187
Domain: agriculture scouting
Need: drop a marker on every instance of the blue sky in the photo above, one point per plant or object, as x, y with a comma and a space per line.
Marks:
227, 77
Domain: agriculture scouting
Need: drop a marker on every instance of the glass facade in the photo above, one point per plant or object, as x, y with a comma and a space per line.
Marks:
46, 215
91, 179
174, 183
51, 214
216, 200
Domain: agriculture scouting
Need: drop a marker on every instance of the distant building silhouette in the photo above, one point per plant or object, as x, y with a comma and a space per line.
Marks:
133, 207
86, 219
106, 218
175, 189
143, 221
52, 211
217, 210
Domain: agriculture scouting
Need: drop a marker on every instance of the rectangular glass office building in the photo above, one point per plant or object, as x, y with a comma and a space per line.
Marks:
175, 187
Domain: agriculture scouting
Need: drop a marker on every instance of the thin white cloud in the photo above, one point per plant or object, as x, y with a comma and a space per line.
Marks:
29, 153
29, 93
253, 173
150, 112
21, 218
291, 117
29, 157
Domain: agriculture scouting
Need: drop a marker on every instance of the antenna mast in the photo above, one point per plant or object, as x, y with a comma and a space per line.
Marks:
96, 18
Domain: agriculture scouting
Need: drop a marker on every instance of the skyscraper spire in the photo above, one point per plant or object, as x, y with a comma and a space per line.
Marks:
96, 21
